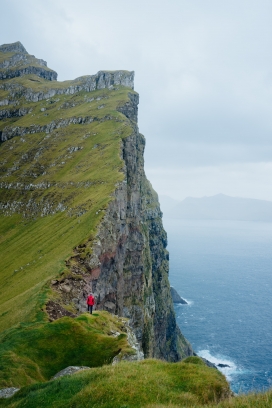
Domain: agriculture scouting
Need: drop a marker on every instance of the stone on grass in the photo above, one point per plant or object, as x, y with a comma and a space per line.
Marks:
70, 370
8, 392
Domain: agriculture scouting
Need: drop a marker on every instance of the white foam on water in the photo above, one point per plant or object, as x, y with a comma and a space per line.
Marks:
189, 302
220, 359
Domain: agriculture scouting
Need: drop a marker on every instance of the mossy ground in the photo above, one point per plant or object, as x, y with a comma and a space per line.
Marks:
35, 352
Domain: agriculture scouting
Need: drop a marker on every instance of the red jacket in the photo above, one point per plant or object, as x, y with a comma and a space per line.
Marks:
90, 300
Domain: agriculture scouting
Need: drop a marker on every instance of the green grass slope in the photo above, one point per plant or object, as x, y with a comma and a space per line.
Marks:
35, 352
140, 384
61, 182
149, 383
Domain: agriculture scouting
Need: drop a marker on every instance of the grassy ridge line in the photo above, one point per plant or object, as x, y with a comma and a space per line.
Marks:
34, 248
138, 384
39, 84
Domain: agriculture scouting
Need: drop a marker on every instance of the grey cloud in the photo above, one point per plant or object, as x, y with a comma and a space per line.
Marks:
183, 155
203, 71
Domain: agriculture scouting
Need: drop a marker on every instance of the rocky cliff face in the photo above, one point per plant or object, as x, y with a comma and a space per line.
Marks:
125, 262
21, 63
127, 269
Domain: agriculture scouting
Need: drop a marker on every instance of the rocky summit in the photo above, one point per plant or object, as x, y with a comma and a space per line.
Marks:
77, 212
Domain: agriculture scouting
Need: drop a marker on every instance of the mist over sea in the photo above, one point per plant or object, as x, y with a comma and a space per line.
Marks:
223, 269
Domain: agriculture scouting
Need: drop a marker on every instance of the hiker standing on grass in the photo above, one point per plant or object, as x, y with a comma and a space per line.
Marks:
90, 303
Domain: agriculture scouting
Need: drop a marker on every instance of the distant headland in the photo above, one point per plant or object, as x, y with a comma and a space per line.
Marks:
218, 207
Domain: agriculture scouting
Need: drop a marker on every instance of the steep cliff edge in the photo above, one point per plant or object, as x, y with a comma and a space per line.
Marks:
127, 268
77, 212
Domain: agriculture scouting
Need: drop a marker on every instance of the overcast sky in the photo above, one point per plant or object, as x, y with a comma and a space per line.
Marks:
203, 69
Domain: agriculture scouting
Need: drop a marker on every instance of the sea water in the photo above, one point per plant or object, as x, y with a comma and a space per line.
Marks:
224, 270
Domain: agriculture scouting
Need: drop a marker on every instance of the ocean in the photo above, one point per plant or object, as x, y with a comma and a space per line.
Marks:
224, 270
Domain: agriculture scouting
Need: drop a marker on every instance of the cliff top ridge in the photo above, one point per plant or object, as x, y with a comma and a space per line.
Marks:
13, 47
16, 62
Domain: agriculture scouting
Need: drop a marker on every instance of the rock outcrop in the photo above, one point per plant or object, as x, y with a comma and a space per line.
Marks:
128, 268
8, 392
69, 371
21, 63
125, 261
176, 297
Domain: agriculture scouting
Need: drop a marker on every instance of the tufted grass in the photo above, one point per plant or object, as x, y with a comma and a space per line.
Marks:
138, 384
35, 352
145, 384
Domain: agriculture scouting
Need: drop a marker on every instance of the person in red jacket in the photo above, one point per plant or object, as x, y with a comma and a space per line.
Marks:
90, 302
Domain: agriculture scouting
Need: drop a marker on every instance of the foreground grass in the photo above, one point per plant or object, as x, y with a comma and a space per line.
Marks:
35, 352
138, 384
149, 383
253, 400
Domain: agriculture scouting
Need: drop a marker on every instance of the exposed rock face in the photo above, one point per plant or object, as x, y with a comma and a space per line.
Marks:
70, 370
46, 74
21, 63
89, 83
130, 109
8, 392
10, 132
132, 341
126, 264
56, 311
176, 297
128, 267
14, 47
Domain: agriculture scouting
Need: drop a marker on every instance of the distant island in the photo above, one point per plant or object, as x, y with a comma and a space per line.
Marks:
218, 207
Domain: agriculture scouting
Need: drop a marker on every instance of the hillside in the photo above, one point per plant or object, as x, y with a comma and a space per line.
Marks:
77, 213
35, 352
148, 383
221, 207
138, 384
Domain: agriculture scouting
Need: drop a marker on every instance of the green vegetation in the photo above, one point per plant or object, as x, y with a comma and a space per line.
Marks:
5, 56
55, 187
35, 352
138, 384
148, 383
34, 245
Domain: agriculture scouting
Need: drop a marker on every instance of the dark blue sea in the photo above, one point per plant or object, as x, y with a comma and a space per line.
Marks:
224, 270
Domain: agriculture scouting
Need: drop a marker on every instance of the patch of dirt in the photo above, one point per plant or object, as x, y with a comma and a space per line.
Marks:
55, 311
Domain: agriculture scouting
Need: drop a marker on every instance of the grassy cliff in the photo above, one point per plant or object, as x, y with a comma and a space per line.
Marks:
75, 203
77, 212
54, 187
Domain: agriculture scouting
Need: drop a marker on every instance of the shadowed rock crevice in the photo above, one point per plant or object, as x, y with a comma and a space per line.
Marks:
128, 268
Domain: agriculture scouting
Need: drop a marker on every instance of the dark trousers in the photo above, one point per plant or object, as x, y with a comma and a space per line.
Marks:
90, 309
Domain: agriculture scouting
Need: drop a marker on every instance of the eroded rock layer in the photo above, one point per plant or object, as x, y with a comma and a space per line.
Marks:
72, 158
128, 267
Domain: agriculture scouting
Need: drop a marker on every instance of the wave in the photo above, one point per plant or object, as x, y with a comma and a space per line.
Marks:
189, 302
229, 371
